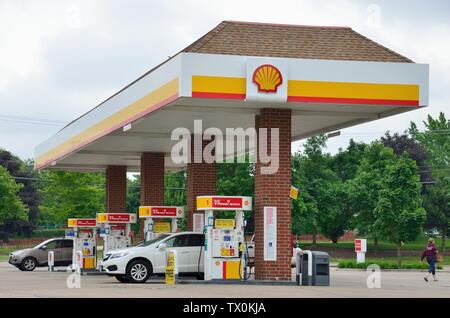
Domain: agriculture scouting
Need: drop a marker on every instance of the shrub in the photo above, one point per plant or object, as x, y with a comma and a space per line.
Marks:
44, 233
383, 265
48, 233
11, 228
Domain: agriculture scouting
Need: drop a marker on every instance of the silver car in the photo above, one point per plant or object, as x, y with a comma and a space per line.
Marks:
30, 258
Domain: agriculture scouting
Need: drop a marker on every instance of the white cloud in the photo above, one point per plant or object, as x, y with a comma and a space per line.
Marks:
58, 59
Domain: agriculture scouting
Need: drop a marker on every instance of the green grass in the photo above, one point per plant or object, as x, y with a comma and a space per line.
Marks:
384, 264
382, 245
406, 260
4, 252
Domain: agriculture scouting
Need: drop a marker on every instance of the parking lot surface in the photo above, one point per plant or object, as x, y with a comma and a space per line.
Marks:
344, 283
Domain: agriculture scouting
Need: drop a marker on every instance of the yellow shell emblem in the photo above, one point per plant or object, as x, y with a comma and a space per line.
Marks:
268, 78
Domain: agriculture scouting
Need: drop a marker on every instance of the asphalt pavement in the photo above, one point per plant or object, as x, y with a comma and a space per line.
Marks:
344, 283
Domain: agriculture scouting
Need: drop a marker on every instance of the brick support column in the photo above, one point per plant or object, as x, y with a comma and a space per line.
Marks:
116, 189
273, 190
152, 182
201, 180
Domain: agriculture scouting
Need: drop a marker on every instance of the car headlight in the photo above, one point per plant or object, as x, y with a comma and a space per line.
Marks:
118, 255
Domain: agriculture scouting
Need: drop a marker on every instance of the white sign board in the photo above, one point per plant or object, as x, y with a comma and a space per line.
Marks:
270, 233
360, 245
198, 220
360, 249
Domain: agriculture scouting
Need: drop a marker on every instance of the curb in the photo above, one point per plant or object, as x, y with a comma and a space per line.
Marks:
239, 282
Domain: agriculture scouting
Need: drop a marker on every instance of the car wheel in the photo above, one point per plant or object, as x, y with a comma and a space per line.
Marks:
28, 264
122, 278
138, 271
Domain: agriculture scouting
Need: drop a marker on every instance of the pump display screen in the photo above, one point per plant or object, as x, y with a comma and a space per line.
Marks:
225, 243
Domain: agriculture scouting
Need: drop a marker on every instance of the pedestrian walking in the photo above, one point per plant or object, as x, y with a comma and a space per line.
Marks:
431, 255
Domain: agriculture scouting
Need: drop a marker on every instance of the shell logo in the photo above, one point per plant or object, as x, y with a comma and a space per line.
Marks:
267, 77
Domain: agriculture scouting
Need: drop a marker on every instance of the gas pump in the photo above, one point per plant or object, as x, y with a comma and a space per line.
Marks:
156, 220
115, 229
84, 241
224, 251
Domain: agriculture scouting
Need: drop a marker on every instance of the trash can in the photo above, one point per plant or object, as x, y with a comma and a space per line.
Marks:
307, 280
320, 275
321, 269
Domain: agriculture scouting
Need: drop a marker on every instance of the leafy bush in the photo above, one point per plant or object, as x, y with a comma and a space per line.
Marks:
11, 228
43, 233
48, 233
382, 264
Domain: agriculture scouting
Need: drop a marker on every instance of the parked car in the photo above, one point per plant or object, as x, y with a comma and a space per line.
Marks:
136, 264
30, 258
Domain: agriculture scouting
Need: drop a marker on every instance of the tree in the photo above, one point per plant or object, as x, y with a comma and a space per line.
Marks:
304, 210
405, 143
435, 139
134, 199
334, 213
305, 176
399, 215
175, 192
236, 179
70, 194
363, 190
345, 163
437, 205
320, 204
175, 188
12, 208
24, 174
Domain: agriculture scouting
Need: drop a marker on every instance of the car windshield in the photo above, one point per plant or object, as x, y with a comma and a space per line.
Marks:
43, 243
155, 240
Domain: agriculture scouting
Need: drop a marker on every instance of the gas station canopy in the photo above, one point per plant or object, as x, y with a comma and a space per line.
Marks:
330, 77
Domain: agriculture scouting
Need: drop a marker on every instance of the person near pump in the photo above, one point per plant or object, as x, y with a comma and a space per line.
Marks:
430, 253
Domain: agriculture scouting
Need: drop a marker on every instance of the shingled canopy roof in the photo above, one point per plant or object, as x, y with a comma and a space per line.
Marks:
294, 41
334, 78
286, 40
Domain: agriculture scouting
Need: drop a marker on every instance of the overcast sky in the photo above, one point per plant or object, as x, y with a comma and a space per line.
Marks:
58, 59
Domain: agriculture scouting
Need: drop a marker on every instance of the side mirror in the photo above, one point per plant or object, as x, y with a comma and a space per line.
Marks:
162, 246
44, 247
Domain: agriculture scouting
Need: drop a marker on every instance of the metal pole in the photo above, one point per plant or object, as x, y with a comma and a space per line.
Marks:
50, 260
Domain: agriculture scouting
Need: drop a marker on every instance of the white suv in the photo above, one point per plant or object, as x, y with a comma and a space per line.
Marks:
136, 264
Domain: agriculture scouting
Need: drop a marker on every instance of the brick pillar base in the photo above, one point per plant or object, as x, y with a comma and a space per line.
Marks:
273, 190
116, 189
152, 183
201, 180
